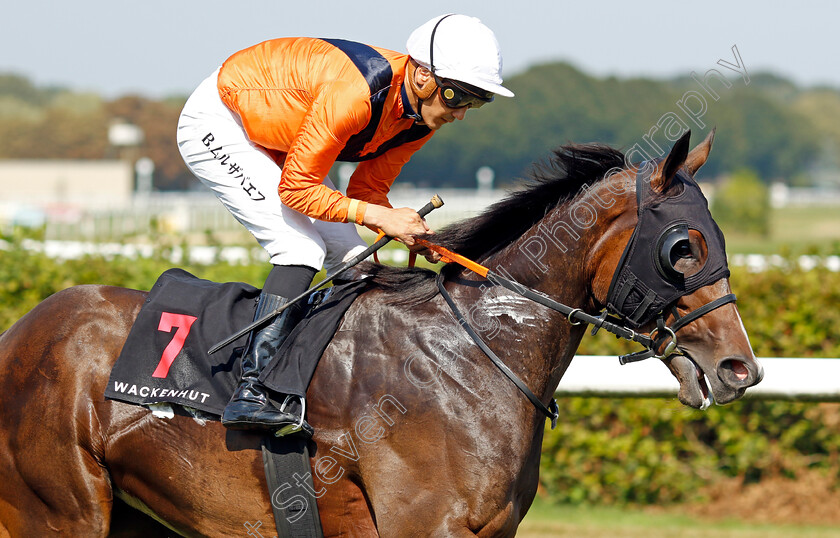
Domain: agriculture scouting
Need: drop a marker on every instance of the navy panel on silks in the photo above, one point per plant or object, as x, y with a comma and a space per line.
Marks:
378, 74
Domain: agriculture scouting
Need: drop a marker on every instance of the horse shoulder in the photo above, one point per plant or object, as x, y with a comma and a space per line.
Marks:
401, 391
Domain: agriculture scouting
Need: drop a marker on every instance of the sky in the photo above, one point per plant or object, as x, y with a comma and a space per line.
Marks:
158, 48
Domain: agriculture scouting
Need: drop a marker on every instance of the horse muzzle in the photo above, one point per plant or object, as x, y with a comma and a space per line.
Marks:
740, 372
721, 382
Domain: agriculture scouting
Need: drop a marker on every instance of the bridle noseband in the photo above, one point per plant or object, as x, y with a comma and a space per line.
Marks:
661, 333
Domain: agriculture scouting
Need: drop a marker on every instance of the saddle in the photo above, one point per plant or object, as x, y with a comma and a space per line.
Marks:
165, 359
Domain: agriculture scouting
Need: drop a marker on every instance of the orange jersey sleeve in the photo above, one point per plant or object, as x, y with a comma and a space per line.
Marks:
335, 115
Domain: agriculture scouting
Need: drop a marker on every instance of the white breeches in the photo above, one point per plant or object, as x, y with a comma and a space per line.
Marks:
217, 150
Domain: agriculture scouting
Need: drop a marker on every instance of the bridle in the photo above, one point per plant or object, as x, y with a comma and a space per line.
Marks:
653, 341
616, 323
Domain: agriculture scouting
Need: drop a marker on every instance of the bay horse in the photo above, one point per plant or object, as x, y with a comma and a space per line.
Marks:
416, 432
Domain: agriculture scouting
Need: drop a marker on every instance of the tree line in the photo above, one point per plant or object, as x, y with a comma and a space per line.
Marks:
770, 126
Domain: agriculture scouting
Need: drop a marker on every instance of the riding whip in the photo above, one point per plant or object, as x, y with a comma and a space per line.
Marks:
434, 203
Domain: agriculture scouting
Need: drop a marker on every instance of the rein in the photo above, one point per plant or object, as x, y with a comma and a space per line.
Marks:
575, 316
552, 411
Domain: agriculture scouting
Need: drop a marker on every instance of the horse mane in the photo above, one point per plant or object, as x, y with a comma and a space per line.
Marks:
550, 183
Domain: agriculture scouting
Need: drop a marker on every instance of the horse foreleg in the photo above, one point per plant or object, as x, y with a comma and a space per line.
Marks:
344, 510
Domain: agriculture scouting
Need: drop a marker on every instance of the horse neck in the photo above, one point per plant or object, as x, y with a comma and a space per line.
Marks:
561, 256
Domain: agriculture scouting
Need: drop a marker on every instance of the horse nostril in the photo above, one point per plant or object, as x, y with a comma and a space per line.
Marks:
740, 370
735, 369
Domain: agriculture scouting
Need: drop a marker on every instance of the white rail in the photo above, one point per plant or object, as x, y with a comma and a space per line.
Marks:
816, 380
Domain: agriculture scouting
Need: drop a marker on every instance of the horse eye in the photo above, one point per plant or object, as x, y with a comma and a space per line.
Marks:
682, 249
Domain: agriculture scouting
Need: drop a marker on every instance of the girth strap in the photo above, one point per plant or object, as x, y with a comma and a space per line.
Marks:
551, 411
295, 509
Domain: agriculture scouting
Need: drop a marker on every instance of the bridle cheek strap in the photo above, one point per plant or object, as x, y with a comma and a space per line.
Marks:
662, 333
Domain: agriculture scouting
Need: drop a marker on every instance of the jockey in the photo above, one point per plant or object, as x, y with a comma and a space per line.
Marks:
263, 131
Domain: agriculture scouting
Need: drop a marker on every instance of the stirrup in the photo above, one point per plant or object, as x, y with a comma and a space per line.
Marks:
292, 428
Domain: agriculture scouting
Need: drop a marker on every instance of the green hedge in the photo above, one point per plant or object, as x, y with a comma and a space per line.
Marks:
27, 277
603, 450
617, 451
658, 451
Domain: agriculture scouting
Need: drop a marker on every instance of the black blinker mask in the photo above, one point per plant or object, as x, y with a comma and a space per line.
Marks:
646, 280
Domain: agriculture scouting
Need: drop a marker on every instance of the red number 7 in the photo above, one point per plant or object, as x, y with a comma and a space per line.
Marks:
169, 320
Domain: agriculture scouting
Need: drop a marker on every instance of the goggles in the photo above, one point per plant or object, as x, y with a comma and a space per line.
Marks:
460, 94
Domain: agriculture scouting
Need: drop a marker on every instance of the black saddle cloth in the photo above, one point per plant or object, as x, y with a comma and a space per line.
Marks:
164, 358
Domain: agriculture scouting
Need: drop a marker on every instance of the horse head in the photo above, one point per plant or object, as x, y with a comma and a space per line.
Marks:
668, 277
632, 249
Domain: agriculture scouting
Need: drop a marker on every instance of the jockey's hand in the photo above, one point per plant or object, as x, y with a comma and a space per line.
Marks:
403, 224
430, 255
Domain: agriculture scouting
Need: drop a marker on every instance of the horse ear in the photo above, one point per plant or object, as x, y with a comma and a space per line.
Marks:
698, 155
661, 178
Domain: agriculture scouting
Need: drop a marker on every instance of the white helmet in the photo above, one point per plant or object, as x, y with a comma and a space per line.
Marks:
462, 49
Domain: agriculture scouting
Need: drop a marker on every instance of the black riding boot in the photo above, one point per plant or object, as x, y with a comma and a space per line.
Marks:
250, 407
